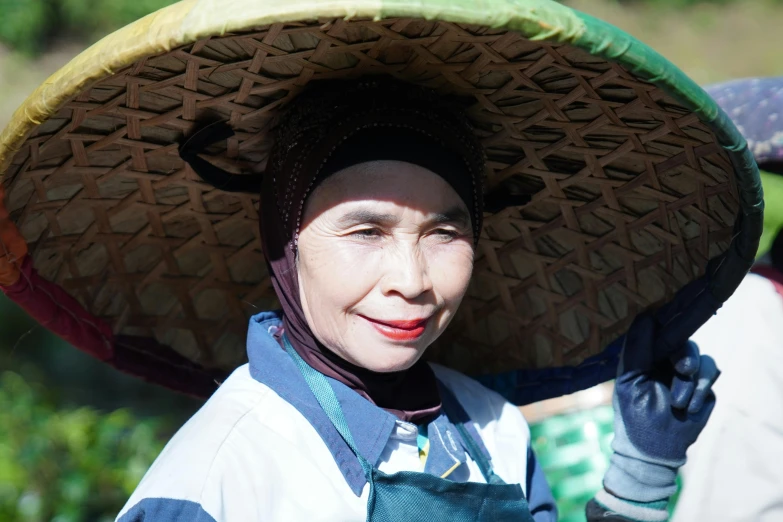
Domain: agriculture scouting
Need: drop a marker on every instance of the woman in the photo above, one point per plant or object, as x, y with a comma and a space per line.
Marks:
388, 212
370, 236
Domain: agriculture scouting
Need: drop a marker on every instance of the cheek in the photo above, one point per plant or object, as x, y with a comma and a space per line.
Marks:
336, 273
450, 271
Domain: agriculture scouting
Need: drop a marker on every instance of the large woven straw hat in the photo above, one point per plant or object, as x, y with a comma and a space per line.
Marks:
637, 179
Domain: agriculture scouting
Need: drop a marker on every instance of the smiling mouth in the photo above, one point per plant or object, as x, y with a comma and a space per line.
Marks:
409, 330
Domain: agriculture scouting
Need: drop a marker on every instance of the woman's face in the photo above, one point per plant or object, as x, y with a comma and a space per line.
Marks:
385, 254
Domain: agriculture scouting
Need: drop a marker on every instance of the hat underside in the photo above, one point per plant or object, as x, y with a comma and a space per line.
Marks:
631, 194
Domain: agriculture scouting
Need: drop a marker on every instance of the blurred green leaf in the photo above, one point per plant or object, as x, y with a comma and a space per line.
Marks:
68, 465
96, 18
773, 211
24, 24
29, 25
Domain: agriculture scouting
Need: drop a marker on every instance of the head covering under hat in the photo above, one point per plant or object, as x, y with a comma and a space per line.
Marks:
637, 182
335, 125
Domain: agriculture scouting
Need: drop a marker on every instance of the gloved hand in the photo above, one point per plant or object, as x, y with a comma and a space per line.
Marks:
662, 400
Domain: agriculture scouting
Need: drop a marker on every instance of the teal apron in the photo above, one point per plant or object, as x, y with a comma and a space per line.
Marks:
420, 497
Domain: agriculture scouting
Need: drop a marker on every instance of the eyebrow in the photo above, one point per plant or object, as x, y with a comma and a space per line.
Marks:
364, 216
456, 216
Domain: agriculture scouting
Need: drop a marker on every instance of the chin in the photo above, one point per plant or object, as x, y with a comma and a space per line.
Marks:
396, 363
389, 368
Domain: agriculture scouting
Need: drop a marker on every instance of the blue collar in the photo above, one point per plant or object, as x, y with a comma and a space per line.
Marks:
370, 426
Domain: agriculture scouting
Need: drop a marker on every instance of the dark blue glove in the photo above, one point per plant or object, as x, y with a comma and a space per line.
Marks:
662, 400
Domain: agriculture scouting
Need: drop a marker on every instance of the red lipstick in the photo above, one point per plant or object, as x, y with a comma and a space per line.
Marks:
409, 330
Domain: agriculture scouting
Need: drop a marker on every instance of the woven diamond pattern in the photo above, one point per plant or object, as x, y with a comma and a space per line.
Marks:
631, 193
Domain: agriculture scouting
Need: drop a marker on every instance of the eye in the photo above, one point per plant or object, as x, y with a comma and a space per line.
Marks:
446, 233
366, 233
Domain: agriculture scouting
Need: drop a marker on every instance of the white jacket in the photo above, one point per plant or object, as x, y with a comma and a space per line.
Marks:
735, 468
261, 449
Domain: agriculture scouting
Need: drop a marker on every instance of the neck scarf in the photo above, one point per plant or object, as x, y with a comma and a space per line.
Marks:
330, 128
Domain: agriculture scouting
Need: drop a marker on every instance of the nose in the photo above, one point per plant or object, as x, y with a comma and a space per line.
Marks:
407, 272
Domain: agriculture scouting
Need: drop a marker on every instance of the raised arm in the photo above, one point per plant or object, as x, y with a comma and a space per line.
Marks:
662, 400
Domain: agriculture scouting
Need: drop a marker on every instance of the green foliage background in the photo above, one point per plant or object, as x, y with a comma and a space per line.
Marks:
75, 436
773, 211
68, 465
30, 25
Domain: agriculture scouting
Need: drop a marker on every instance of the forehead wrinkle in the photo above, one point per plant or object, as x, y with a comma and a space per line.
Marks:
361, 216
456, 216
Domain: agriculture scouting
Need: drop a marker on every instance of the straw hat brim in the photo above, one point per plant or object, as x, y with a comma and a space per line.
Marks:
637, 178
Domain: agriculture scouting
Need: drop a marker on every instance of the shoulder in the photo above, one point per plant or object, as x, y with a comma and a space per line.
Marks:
179, 484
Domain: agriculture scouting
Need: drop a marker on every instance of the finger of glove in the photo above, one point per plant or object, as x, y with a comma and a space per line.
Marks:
701, 417
682, 391
686, 362
637, 353
686, 359
706, 377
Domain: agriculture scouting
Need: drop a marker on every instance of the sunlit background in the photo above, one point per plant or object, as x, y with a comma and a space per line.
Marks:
76, 437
